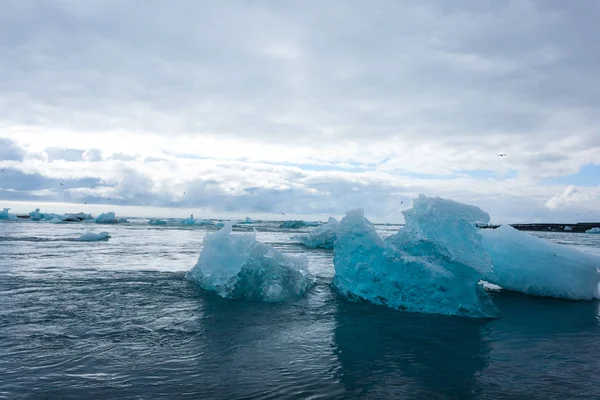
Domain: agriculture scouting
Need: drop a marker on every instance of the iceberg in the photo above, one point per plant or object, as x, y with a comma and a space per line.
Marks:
322, 236
528, 264
567, 228
593, 230
249, 220
36, 215
239, 266
80, 216
56, 220
157, 222
189, 221
4, 215
297, 224
93, 237
419, 269
106, 218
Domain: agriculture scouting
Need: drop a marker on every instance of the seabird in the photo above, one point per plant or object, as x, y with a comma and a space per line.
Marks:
502, 155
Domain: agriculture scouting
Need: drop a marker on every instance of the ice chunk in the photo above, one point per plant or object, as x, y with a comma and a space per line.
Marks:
527, 264
322, 236
36, 215
239, 266
297, 224
189, 221
449, 226
78, 217
567, 228
157, 222
249, 220
593, 230
93, 237
106, 218
122, 220
4, 215
56, 220
420, 277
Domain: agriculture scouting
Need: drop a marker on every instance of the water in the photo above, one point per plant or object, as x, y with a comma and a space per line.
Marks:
117, 319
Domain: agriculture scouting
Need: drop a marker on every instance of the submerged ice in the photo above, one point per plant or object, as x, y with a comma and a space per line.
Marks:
239, 266
420, 269
322, 236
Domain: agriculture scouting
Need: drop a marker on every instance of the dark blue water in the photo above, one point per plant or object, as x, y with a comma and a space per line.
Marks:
117, 319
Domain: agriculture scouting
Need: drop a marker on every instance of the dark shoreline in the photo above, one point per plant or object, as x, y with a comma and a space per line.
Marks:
579, 227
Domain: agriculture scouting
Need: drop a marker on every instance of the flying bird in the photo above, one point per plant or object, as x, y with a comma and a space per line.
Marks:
283, 213
62, 184
502, 155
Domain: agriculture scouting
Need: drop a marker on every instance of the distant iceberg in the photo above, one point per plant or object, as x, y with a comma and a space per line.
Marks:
191, 221
4, 215
297, 224
238, 266
322, 236
567, 228
593, 230
56, 220
248, 220
419, 269
93, 237
157, 222
528, 264
106, 218
36, 215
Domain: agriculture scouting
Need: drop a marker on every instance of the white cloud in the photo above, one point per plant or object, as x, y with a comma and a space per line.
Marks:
309, 105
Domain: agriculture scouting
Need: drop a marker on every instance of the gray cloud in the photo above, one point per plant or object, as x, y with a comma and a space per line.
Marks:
10, 151
393, 89
65, 154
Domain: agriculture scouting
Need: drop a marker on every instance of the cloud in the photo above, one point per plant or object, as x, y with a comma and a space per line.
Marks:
60, 153
317, 106
562, 199
10, 151
122, 157
93, 155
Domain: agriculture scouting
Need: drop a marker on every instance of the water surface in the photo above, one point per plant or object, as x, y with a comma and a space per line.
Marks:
118, 319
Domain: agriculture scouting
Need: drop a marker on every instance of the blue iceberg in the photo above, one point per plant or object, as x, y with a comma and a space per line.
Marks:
322, 236
93, 237
239, 266
157, 222
593, 230
106, 218
297, 224
420, 269
4, 215
530, 265
36, 215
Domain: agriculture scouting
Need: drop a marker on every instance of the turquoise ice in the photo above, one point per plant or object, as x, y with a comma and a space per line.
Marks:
420, 269
239, 266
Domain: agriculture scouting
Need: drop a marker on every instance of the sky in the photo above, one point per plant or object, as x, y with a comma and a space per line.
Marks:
310, 108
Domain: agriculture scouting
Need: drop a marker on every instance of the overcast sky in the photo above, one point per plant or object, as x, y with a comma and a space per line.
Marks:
309, 107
